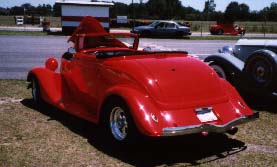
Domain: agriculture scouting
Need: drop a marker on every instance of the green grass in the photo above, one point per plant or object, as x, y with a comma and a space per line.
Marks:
213, 38
35, 136
14, 88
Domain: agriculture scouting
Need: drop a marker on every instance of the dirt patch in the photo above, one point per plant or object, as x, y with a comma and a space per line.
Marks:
5, 100
262, 148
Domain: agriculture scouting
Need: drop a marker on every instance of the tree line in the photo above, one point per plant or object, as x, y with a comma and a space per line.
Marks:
162, 9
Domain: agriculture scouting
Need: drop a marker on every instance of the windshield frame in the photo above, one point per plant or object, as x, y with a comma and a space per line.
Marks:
79, 45
154, 23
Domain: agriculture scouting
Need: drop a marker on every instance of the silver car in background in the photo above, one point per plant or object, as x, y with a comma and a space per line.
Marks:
162, 29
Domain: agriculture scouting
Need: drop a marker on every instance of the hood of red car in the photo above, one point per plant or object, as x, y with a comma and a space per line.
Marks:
175, 81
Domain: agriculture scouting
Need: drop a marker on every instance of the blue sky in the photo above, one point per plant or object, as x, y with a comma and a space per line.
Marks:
198, 4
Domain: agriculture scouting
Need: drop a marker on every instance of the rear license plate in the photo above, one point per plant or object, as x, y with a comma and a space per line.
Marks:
205, 114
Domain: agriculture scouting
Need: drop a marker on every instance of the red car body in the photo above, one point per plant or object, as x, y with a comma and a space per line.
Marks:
229, 28
167, 93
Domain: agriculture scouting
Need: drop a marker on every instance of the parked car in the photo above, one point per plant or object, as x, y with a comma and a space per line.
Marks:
250, 66
135, 92
161, 29
226, 28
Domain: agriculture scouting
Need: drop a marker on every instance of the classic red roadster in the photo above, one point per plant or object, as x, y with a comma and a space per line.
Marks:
221, 28
107, 80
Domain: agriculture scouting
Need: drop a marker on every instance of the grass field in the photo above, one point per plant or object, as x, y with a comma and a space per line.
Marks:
32, 136
251, 27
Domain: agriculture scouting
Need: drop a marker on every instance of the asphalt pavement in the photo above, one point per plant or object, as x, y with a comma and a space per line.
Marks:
18, 54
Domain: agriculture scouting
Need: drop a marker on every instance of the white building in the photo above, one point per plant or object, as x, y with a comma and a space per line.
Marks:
72, 12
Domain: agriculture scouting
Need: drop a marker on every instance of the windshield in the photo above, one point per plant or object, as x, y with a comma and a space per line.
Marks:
106, 41
154, 23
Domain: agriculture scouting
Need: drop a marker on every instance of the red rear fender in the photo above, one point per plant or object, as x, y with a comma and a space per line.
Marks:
49, 82
142, 108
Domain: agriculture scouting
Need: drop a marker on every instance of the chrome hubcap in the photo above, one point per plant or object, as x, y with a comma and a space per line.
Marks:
260, 71
118, 123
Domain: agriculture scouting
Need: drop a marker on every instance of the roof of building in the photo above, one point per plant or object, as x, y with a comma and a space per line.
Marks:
84, 3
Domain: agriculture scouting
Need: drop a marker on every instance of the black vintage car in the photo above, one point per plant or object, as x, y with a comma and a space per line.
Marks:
250, 66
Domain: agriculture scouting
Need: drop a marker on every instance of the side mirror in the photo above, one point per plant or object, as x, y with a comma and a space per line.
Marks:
71, 50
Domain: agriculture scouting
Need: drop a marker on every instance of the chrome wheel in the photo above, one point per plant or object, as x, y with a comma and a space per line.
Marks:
118, 123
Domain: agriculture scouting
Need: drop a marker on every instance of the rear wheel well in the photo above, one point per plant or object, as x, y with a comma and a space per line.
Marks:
108, 100
224, 65
212, 64
117, 122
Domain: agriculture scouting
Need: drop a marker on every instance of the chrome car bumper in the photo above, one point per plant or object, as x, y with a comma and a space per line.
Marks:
175, 131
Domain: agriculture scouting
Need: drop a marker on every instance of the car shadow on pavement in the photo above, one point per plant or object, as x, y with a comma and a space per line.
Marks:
186, 150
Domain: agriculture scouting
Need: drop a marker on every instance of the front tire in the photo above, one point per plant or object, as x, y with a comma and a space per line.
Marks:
36, 91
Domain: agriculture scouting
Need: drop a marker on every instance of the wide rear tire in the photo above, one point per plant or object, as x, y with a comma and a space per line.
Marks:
118, 122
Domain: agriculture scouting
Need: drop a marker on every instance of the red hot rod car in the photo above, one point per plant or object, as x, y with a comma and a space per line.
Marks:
226, 28
105, 79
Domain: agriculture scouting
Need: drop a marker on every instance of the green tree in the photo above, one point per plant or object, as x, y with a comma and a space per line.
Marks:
209, 9
232, 11
56, 10
244, 12
165, 9
209, 6
17, 10
119, 9
235, 11
44, 10
272, 12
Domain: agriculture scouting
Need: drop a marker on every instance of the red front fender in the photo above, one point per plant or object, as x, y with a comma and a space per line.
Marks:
49, 82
